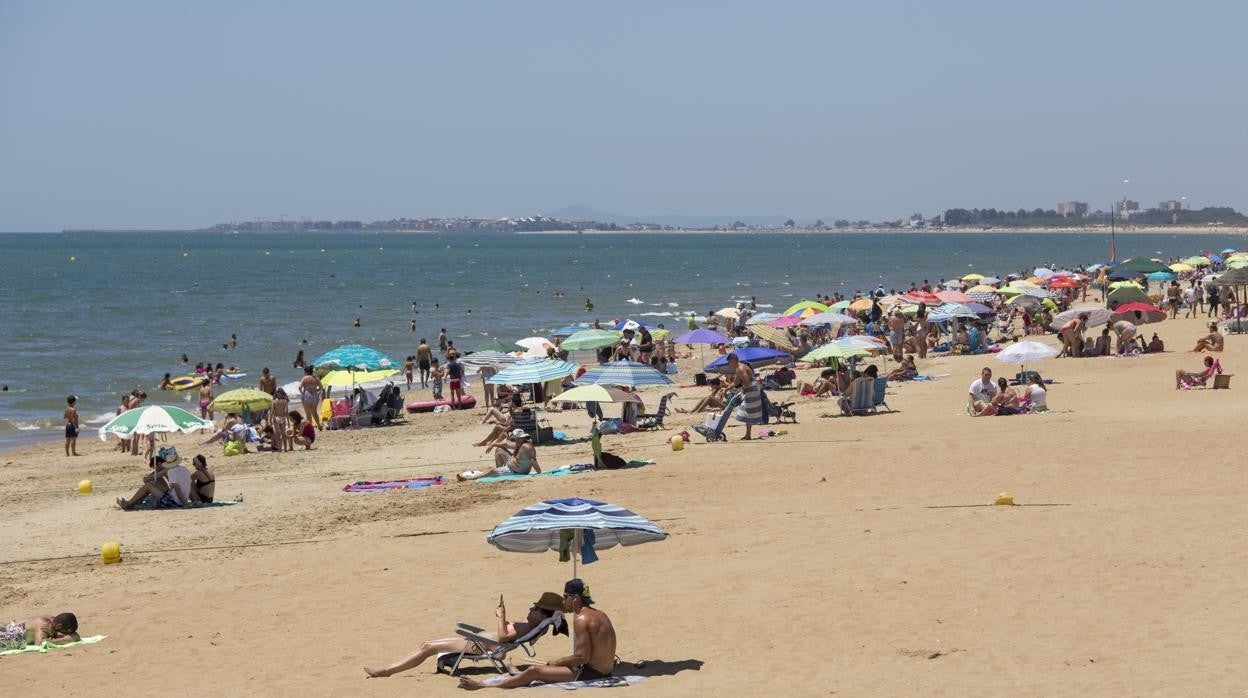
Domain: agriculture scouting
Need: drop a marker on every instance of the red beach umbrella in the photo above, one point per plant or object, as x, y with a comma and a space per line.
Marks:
1139, 312
1061, 282
931, 299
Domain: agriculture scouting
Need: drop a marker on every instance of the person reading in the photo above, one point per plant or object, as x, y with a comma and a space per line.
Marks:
593, 654
546, 606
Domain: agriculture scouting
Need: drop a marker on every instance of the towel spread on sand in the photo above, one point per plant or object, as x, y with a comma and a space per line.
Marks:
561, 470
612, 682
411, 483
149, 503
49, 646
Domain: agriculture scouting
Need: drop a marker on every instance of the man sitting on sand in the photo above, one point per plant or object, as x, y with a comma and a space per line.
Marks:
982, 390
543, 608
520, 458
593, 654
169, 483
59, 629
1214, 341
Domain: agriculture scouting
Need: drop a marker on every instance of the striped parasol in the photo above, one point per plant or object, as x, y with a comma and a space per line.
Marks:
539, 527
354, 357
624, 372
533, 371
153, 419
481, 359
590, 339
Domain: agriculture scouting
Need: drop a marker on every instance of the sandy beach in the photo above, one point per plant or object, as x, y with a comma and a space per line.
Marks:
850, 556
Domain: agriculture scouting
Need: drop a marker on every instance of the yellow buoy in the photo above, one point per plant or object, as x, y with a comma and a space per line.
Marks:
110, 553
1005, 499
678, 443
85, 487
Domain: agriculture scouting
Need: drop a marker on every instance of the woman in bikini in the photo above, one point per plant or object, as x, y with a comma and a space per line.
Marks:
203, 482
279, 412
205, 399
310, 390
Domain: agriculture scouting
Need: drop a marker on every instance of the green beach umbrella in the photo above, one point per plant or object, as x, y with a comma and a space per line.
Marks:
1197, 261
805, 305
590, 339
154, 419
832, 350
495, 344
236, 400
1124, 295
1144, 265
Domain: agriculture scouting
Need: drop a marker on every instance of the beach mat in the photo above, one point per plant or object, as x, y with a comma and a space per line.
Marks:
49, 646
411, 483
149, 504
612, 682
560, 471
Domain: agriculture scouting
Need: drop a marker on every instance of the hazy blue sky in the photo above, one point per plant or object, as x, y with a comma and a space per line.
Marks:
159, 114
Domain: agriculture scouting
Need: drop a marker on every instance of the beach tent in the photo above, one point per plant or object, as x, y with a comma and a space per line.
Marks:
1125, 294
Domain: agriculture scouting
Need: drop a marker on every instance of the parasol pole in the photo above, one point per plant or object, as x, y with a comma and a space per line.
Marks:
576, 549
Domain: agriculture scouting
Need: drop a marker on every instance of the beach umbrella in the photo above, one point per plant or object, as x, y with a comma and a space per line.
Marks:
972, 277
590, 339
1216, 259
354, 357
983, 297
806, 305
833, 350
703, 336
531, 343
495, 345
1097, 315
1043, 272
1124, 295
1237, 264
860, 305
1061, 282
632, 325
952, 283
567, 330
333, 379
862, 341
1197, 261
990, 280
954, 310
785, 321
154, 419
756, 357
1181, 266
1161, 276
839, 306
978, 308
983, 288
828, 319
954, 297
1142, 313
728, 312
235, 400
539, 527
1228, 251
1142, 265
778, 337
597, 393
761, 318
1026, 352
930, 299
1024, 301
480, 359
533, 371
624, 373
1010, 291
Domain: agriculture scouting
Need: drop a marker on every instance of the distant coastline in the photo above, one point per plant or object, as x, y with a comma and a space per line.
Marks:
979, 230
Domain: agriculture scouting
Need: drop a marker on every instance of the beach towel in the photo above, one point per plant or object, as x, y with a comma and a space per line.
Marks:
612, 682
411, 483
150, 503
751, 410
575, 469
49, 646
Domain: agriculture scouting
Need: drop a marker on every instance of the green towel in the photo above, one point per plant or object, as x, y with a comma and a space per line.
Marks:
49, 646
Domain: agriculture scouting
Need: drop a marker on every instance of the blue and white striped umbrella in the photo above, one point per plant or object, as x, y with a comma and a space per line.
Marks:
489, 357
537, 528
984, 297
533, 371
355, 357
624, 373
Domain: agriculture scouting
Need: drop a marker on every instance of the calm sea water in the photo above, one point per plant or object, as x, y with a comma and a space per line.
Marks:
98, 314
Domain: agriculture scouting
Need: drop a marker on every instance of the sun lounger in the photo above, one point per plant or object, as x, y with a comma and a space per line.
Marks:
483, 649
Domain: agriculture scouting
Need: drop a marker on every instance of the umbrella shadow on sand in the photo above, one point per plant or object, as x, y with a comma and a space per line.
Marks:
660, 667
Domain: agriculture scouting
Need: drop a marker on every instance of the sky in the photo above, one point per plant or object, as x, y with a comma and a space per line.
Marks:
173, 115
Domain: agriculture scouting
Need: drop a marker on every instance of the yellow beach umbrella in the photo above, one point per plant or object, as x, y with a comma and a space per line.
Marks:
1120, 284
1180, 266
1035, 280
341, 379
984, 288
972, 277
236, 400
804, 306
1010, 291
860, 305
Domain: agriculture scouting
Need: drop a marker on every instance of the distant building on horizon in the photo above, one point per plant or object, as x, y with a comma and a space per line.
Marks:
1171, 205
1126, 207
1078, 209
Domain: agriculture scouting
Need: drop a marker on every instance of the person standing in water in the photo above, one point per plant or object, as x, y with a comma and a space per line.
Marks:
71, 426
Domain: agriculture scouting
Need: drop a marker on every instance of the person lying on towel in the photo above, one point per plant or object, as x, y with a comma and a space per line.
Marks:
543, 608
58, 630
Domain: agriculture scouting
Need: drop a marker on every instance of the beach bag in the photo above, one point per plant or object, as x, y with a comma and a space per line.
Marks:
610, 461
235, 448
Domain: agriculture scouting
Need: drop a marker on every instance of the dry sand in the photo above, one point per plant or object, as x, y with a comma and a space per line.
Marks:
841, 558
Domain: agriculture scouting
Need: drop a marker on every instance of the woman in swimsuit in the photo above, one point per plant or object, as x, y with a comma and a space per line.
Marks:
203, 482
279, 411
545, 607
298, 362
310, 390
205, 399
302, 433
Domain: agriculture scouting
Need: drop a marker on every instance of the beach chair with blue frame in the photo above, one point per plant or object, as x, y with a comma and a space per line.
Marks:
877, 398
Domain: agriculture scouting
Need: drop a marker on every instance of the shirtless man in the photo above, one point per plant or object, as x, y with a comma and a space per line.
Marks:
424, 357
268, 382
897, 333
58, 630
743, 379
519, 459
442, 343
593, 654
71, 426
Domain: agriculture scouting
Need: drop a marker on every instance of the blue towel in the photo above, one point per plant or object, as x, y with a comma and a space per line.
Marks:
588, 554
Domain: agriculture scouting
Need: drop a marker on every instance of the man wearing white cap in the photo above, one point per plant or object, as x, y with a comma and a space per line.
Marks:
516, 456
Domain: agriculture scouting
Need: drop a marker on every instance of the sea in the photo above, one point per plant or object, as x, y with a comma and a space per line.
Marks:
99, 314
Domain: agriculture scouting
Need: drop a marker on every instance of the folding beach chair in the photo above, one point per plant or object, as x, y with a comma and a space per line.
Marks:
861, 399
715, 432
655, 420
483, 649
877, 398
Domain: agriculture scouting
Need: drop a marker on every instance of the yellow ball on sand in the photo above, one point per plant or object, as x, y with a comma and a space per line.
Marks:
110, 553
678, 443
85, 487
1005, 499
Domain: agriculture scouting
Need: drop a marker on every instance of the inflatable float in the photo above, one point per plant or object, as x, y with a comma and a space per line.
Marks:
465, 402
187, 382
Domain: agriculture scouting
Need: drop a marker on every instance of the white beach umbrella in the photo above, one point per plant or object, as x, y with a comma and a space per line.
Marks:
1026, 352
